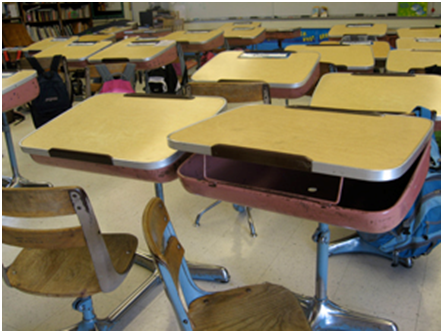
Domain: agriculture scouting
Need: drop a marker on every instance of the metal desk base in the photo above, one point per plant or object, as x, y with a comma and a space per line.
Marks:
323, 314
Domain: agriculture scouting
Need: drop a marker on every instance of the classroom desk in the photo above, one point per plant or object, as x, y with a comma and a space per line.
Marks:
419, 43
290, 75
76, 53
403, 60
340, 30
286, 160
17, 89
419, 32
145, 54
125, 136
47, 43
345, 57
147, 32
380, 49
117, 31
397, 93
197, 40
96, 38
243, 35
280, 34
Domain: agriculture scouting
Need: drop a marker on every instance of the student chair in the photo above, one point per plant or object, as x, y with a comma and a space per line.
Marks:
93, 79
256, 307
233, 92
68, 261
46, 65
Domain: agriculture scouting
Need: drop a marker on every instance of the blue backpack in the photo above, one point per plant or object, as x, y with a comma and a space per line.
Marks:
420, 231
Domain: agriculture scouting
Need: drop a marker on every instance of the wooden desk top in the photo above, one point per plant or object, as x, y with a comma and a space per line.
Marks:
392, 93
47, 43
243, 32
419, 32
11, 81
419, 43
354, 57
360, 146
75, 51
147, 31
131, 130
114, 30
401, 61
229, 26
96, 38
193, 36
340, 30
288, 73
133, 49
380, 49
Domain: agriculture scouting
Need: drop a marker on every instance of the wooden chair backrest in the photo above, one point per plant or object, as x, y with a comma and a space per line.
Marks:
169, 252
46, 65
15, 35
40, 203
93, 74
232, 91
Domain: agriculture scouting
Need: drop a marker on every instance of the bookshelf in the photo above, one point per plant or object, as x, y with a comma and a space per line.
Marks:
55, 19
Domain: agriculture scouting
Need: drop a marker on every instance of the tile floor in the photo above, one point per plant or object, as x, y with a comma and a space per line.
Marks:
282, 253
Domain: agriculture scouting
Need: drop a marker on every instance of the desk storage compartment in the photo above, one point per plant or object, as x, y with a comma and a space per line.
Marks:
365, 206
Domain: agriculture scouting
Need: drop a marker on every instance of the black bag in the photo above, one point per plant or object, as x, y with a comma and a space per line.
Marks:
53, 98
163, 80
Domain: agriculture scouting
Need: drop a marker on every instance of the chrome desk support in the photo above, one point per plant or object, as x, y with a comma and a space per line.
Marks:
323, 314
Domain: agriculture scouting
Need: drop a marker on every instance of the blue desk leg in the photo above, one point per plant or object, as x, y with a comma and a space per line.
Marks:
16, 180
326, 315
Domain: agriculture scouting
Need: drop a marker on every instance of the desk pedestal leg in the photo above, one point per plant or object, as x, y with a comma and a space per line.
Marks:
16, 180
326, 315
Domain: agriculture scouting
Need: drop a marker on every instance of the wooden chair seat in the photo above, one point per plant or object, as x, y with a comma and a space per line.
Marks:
266, 306
68, 272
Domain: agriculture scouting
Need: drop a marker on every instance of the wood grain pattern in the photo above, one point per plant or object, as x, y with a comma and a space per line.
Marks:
67, 272
130, 130
363, 142
341, 30
378, 93
401, 61
31, 202
291, 72
351, 56
262, 307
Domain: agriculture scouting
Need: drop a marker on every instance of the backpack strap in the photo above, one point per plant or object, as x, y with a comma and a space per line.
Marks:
55, 62
36, 65
129, 73
104, 73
